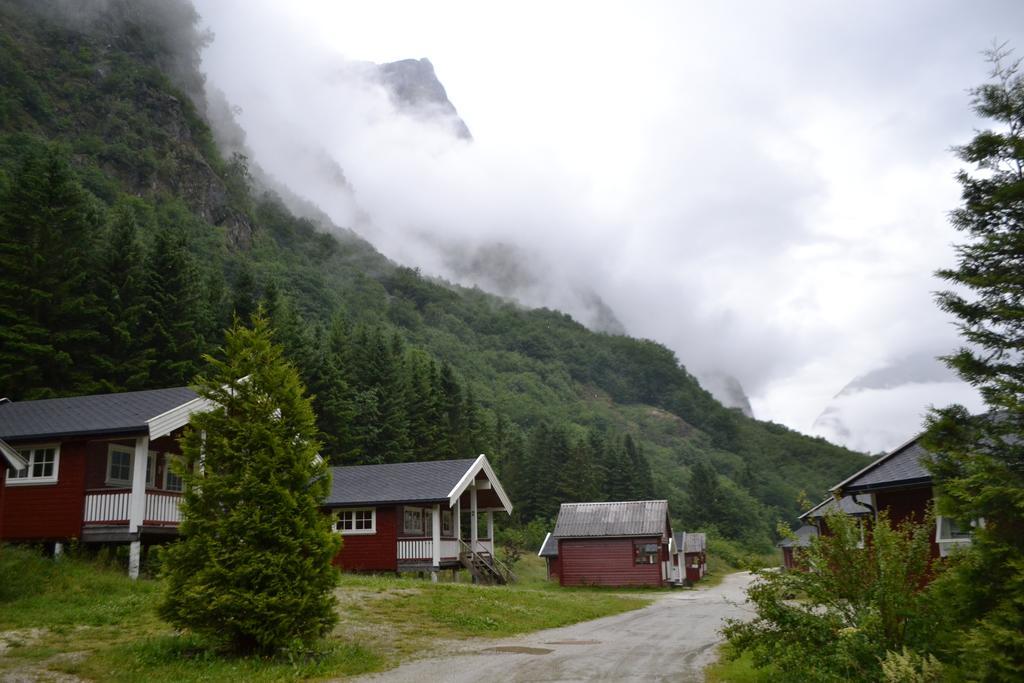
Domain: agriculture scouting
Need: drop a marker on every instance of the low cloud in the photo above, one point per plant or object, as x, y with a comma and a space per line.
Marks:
763, 191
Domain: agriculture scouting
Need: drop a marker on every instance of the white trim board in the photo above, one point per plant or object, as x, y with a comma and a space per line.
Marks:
480, 464
13, 457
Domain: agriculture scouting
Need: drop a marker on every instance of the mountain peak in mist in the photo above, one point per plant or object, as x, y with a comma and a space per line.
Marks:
414, 87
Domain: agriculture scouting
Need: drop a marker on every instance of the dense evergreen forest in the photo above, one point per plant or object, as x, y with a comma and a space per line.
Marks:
128, 242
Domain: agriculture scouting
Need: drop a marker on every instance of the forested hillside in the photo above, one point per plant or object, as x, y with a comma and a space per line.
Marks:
128, 242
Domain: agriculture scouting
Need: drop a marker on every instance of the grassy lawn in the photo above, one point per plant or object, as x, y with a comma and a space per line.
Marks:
740, 670
77, 617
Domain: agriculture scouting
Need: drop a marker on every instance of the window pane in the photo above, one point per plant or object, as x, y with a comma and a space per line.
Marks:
120, 466
413, 521
173, 482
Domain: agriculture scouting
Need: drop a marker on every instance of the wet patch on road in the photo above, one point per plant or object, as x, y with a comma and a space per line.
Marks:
518, 650
573, 642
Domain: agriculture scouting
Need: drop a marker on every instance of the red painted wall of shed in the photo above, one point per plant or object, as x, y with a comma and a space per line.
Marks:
49, 511
605, 562
372, 552
554, 567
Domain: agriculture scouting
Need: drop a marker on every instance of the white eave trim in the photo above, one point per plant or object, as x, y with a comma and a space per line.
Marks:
479, 464
543, 545
176, 418
12, 456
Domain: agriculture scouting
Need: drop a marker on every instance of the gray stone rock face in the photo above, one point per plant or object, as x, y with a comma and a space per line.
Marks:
415, 88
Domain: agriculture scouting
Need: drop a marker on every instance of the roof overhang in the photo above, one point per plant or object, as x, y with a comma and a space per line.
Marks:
544, 545
889, 486
841, 489
11, 456
479, 465
176, 418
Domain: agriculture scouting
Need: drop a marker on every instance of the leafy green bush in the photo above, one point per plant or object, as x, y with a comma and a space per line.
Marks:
839, 620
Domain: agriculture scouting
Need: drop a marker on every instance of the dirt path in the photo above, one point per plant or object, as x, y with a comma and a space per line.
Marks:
672, 639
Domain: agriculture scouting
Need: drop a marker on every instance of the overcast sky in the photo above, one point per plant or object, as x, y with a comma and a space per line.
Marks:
761, 186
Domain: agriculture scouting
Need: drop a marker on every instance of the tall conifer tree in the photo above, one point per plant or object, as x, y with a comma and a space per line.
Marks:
253, 567
979, 464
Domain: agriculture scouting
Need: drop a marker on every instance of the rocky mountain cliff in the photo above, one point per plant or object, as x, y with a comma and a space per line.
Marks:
100, 98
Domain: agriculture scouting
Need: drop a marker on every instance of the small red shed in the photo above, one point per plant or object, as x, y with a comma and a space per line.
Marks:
791, 547
612, 544
689, 557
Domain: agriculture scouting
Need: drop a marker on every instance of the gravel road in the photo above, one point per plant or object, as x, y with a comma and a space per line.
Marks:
672, 639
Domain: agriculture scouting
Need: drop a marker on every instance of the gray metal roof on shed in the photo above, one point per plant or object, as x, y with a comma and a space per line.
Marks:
902, 467
846, 505
695, 542
627, 518
550, 546
406, 482
803, 537
114, 414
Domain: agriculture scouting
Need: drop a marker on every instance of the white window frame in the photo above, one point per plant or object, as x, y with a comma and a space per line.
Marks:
947, 543
130, 450
447, 523
405, 527
168, 459
353, 531
29, 453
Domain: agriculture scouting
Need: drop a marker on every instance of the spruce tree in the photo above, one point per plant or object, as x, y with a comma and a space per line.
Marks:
979, 460
119, 284
172, 322
49, 344
253, 567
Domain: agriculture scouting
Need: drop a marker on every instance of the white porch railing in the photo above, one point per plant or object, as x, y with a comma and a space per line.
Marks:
113, 507
107, 507
163, 507
423, 549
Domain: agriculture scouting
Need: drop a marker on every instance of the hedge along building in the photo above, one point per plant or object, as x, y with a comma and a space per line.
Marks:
94, 468
611, 544
410, 517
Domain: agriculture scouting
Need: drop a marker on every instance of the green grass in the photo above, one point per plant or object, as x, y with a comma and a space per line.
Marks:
83, 618
739, 670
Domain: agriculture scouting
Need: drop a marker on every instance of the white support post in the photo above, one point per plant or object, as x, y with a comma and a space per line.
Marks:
58, 550
474, 525
458, 519
134, 559
435, 537
137, 506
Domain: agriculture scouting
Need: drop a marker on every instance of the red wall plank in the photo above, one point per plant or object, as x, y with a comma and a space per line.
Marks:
605, 562
906, 504
372, 552
49, 511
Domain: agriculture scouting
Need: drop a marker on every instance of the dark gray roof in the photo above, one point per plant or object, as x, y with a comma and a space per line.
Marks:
125, 413
406, 482
902, 467
550, 546
694, 542
846, 504
629, 518
803, 537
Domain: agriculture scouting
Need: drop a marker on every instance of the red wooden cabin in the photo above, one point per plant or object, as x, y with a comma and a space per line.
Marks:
95, 468
611, 544
900, 484
791, 547
418, 516
689, 552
